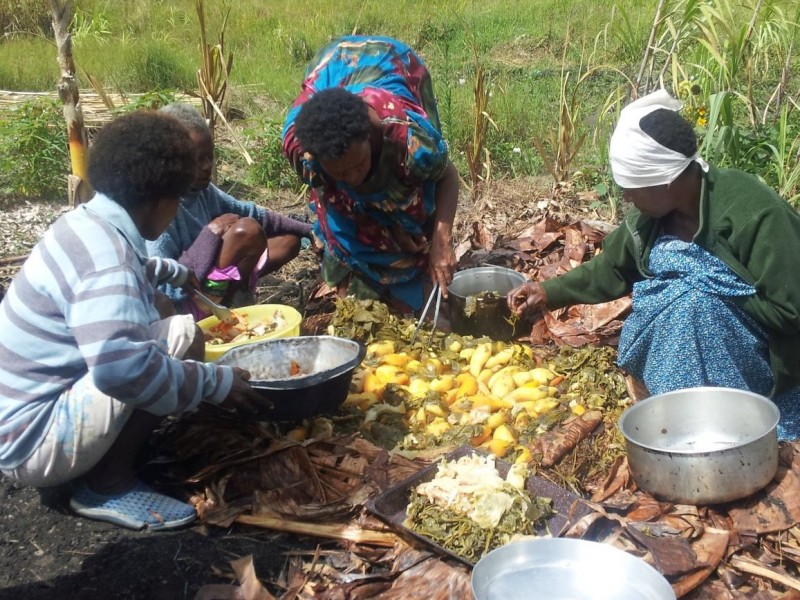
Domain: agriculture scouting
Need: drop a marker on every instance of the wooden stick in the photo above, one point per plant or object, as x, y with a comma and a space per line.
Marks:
650, 41
761, 570
338, 532
12, 260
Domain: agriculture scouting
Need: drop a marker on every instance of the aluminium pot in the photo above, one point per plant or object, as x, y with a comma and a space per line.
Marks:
474, 312
566, 569
703, 445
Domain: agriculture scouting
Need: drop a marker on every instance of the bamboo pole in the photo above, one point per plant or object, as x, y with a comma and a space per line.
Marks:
78, 188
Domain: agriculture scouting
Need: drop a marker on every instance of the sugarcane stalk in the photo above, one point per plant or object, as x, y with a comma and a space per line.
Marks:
349, 533
67, 87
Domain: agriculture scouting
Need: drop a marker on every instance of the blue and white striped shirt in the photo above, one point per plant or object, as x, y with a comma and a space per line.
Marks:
82, 302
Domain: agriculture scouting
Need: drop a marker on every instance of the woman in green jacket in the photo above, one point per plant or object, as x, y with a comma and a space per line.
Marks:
710, 257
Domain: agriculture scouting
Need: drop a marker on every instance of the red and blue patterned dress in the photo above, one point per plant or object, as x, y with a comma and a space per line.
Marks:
356, 224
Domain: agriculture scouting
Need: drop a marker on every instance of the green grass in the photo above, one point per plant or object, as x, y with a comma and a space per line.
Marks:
272, 41
149, 45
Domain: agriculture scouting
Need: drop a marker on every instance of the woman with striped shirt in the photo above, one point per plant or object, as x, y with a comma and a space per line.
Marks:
88, 366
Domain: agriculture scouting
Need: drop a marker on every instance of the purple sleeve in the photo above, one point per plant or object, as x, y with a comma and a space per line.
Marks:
201, 256
276, 224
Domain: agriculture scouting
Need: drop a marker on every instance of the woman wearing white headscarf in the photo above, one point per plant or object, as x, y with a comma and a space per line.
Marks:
711, 257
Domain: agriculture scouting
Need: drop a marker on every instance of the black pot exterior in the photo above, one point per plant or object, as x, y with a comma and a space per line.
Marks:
295, 404
331, 362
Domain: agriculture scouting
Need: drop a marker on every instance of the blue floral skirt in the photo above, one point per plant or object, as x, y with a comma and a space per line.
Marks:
686, 330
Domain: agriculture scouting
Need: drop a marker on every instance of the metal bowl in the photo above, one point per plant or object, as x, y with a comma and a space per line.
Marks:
325, 364
702, 445
566, 569
485, 315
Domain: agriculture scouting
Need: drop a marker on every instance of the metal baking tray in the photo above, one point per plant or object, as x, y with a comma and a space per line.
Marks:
390, 506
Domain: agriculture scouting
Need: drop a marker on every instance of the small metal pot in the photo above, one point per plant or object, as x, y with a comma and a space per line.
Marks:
702, 445
566, 569
488, 316
326, 365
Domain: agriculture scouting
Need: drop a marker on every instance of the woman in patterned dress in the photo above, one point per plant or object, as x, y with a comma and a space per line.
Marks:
364, 134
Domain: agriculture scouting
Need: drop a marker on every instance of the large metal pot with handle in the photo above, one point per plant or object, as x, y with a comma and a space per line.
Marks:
477, 302
702, 445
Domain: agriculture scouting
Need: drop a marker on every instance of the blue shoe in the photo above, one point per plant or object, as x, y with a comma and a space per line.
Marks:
138, 508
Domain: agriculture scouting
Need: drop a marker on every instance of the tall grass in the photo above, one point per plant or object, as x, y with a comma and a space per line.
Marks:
535, 73
34, 155
730, 63
273, 40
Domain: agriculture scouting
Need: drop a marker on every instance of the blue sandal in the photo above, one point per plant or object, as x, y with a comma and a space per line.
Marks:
139, 508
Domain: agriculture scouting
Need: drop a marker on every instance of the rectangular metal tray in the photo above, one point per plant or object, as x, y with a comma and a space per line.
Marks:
390, 506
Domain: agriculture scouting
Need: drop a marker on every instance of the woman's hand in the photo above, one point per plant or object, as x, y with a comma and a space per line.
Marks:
164, 305
222, 223
526, 298
442, 262
318, 247
242, 396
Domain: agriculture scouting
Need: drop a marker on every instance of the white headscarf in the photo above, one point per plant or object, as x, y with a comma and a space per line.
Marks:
637, 160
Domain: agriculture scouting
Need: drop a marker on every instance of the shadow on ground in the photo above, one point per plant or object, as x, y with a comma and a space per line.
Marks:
47, 553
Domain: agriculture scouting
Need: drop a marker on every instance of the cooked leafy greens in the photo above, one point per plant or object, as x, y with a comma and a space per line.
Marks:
469, 509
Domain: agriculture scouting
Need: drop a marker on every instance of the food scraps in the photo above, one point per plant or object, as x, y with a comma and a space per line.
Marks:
469, 509
241, 330
471, 302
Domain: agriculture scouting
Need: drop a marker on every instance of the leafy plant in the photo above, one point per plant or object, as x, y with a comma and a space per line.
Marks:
720, 142
560, 146
85, 26
784, 169
34, 156
627, 34
212, 77
149, 100
270, 168
479, 159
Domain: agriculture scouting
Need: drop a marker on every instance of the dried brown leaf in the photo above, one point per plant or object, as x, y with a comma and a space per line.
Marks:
672, 555
709, 549
617, 479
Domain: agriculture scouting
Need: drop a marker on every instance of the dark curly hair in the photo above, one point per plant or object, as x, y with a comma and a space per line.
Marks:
142, 157
670, 129
330, 121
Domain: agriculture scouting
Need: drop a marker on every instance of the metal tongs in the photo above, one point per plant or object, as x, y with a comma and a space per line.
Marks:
436, 291
222, 313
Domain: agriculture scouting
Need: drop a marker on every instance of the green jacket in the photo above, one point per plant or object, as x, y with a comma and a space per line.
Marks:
744, 223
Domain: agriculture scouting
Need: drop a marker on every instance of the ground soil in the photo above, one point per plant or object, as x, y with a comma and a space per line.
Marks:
47, 553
